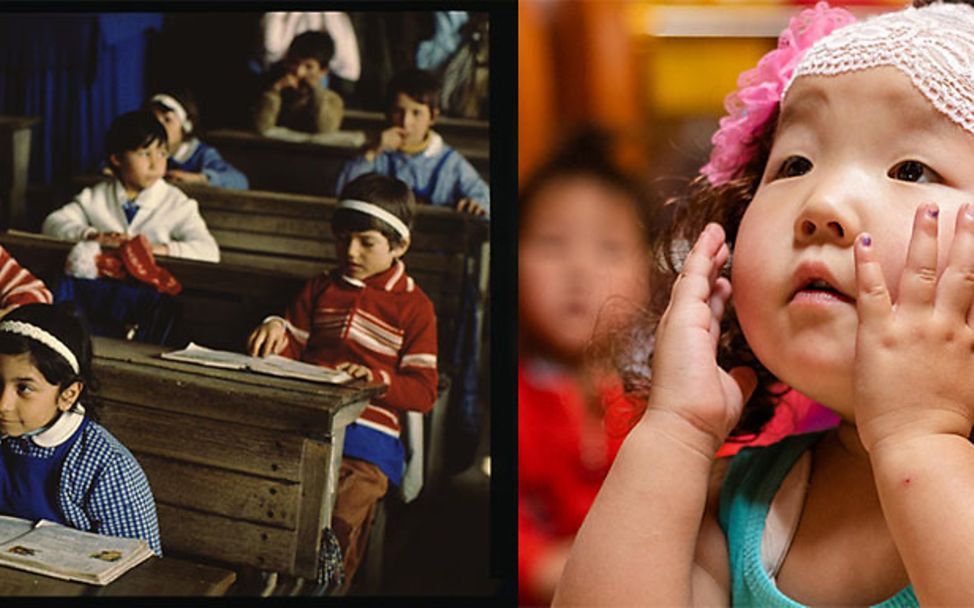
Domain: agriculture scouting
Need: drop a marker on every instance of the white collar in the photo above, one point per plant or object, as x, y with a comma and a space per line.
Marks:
146, 198
185, 150
62, 428
435, 146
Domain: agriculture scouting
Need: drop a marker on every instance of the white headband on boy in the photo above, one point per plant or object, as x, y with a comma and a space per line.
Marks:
933, 45
176, 108
378, 212
47, 339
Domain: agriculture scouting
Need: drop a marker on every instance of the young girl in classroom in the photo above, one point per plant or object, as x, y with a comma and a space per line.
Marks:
191, 160
841, 182
137, 200
57, 463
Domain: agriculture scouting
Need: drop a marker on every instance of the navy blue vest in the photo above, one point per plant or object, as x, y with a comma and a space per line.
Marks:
28, 484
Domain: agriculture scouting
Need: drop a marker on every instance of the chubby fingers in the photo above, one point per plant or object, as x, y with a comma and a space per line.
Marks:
918, 283
955, 292
872, 296
702, 265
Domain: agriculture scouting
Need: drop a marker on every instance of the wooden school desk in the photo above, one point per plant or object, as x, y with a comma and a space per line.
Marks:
243, 466
154, 577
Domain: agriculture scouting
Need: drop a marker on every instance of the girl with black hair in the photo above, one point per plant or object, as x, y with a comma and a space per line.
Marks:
56, 463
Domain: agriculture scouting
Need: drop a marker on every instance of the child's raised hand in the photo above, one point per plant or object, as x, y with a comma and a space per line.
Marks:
914, 358
359, 372
686, 380
392, 138
268, 338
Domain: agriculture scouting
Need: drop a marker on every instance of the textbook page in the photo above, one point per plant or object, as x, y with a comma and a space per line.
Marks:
67, 553
274, 365
12, 527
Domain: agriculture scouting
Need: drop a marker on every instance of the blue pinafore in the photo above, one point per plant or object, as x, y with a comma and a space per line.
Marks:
28, 483
426, 192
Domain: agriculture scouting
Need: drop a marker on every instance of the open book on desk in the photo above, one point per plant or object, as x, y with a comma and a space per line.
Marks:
275, 365
67, 553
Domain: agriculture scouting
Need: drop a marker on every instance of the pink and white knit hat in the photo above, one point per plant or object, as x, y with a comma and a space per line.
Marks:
933, 45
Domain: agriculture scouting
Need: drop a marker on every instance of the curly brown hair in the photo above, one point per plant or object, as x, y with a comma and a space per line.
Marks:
686, 217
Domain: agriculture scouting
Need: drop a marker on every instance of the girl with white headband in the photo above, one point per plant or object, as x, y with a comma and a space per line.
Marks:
370, 318
191, 160
841, 183
56, 463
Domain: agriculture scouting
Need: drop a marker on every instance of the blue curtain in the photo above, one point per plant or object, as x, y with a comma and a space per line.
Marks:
77, 72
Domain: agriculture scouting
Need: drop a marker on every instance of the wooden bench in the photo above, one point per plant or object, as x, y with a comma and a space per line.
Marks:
303, 167
243, 466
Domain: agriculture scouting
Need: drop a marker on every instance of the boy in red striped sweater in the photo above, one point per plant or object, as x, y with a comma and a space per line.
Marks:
369, 318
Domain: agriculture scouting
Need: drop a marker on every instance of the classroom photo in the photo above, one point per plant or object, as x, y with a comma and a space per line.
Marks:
245, 308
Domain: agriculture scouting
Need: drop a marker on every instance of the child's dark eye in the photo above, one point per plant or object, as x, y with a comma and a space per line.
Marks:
914, 171
793, 167
24, 389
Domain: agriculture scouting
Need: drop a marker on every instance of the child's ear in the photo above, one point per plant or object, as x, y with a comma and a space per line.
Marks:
400, 250
434, 114
114, 160
69, 396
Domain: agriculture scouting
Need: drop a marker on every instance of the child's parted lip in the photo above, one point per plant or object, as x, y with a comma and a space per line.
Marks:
813, 275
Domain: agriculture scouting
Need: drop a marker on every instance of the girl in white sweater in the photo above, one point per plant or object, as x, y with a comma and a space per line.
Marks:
137, 200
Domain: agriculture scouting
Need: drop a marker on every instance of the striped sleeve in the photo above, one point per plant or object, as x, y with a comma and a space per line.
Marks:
412, 382
297, 319
17, 285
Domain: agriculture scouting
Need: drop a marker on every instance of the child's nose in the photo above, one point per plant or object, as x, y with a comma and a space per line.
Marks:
7, 400
829, 215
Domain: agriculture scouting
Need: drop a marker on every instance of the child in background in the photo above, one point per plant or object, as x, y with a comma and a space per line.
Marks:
842, 153
191, 160
295, 96
137, 200
58, 464
583, 257
411, 151
369, 318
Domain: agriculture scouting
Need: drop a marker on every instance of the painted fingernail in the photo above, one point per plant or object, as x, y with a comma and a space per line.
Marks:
933, 211
865, 240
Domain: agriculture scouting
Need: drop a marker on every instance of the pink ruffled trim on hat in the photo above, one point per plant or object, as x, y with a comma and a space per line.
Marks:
759, 90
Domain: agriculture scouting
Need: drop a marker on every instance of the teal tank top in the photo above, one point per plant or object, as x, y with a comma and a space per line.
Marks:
752, 480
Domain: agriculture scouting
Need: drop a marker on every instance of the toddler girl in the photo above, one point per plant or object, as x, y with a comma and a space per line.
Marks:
55, 462
847, 150
191, 160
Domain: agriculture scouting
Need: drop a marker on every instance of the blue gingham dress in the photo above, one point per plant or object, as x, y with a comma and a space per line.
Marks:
102, 488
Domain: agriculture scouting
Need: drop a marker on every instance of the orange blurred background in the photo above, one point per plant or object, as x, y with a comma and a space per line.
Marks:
655, 73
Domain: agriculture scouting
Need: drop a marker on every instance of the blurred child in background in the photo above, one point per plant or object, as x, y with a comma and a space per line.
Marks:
583, 259
191, 160
295, 96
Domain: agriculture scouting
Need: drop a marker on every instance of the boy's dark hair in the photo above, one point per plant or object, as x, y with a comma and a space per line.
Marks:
132, 131
311, 45
186, 99
420, 85
63, 322
387, 192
